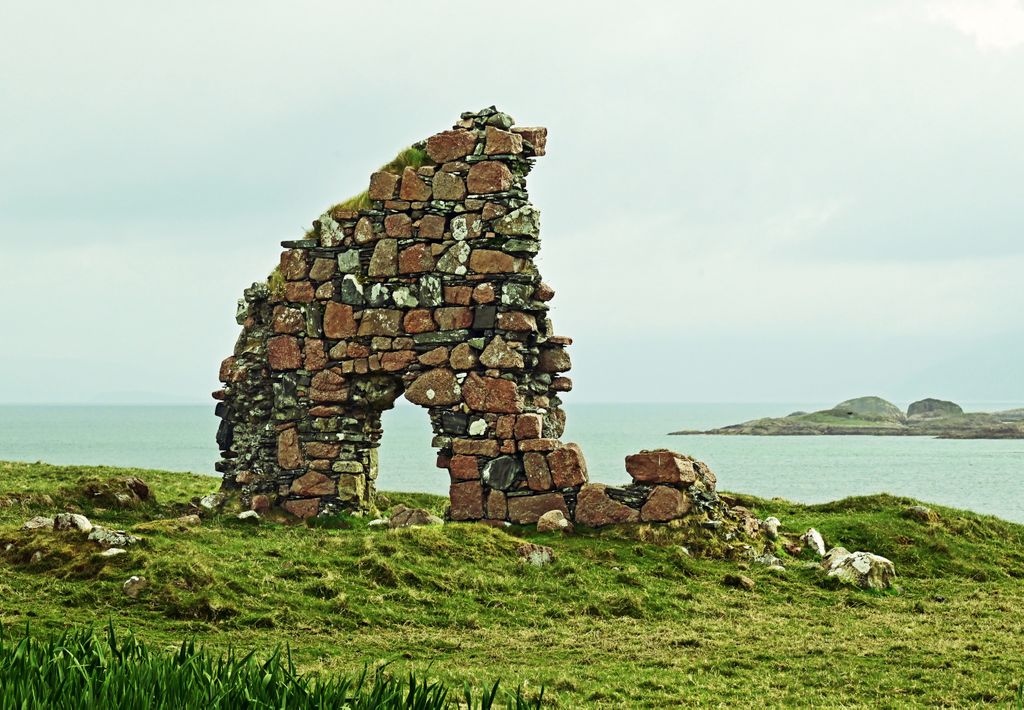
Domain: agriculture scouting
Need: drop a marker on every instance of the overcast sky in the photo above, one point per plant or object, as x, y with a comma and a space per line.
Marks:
785, 201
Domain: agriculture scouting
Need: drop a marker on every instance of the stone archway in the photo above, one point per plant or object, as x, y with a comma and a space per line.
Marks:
425, 286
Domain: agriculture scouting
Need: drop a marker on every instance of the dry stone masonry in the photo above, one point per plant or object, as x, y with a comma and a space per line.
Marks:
425, 288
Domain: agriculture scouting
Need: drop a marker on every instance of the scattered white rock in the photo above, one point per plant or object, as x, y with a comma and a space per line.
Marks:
862, 569
554, 521
834, 554
212, 501
768, 560
249, 515
813, 539
771, 527
113, 552
377, 522
72, 521
134, 585
36, 556
536, 555
112, 538
39, 522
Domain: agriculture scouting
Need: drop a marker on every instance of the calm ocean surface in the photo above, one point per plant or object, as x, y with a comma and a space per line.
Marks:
986, 476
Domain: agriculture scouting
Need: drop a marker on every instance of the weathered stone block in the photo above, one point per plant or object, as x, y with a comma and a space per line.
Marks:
413, 187
501, 142
568, 467
434, 388
525, 510
380, 321
283, 353
467, 501
595, 509
448, 187
491, 394
313, 484
302, 508
339, 321
450, 145
661, 466
489, 176
382, 186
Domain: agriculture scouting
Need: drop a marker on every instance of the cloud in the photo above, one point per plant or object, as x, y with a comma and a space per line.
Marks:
994, 25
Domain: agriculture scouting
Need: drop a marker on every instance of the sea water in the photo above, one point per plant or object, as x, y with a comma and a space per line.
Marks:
980, 475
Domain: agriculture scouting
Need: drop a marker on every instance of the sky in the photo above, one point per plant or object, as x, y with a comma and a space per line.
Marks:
742, 201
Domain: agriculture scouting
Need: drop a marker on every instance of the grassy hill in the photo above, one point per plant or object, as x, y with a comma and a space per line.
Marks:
623, 617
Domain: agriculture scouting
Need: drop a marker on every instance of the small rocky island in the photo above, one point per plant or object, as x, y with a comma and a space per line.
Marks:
875, 416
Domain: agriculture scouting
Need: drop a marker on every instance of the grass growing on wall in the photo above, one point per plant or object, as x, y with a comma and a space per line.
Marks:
408, 158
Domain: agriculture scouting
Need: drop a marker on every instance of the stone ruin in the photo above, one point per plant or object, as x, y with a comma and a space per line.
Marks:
425, 287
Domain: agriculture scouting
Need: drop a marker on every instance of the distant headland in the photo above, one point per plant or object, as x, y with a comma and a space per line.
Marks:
875, 416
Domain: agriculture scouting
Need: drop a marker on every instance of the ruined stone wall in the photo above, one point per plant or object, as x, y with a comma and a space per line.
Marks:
428, 291
426, 287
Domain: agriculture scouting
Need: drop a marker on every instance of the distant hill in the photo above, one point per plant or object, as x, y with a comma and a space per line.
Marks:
878, 417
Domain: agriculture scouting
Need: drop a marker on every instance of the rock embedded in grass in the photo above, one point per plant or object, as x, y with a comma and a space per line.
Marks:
771, 526
536, 555
862, 569
554, 521
72, 521
813, 539
739, 581
39, 522
404, 517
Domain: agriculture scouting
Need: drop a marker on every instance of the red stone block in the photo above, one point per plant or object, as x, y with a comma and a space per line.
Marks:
528, 426
594, 508
419, 320
313, 355
398, 225
302, 508
568, 467
661, 466
538, 475
464, 468
294, 264
283, 353
453, 317
501, 142
526, 510
665, 503
289, 455
536, 136
431, 226
398, 360
459, 295
339, 321
415, 259
467, 500
491, 394
382, 186
299, 292
313, 484
489, 176
475, 447
413, 188
450, 145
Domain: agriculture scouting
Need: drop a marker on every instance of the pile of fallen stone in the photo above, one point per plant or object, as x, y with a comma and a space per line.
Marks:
111, 542
860, 569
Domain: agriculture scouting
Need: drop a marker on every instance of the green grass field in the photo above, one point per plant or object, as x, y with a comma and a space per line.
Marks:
622, 618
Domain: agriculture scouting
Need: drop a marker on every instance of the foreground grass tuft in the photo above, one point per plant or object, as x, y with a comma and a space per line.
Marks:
83, 670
